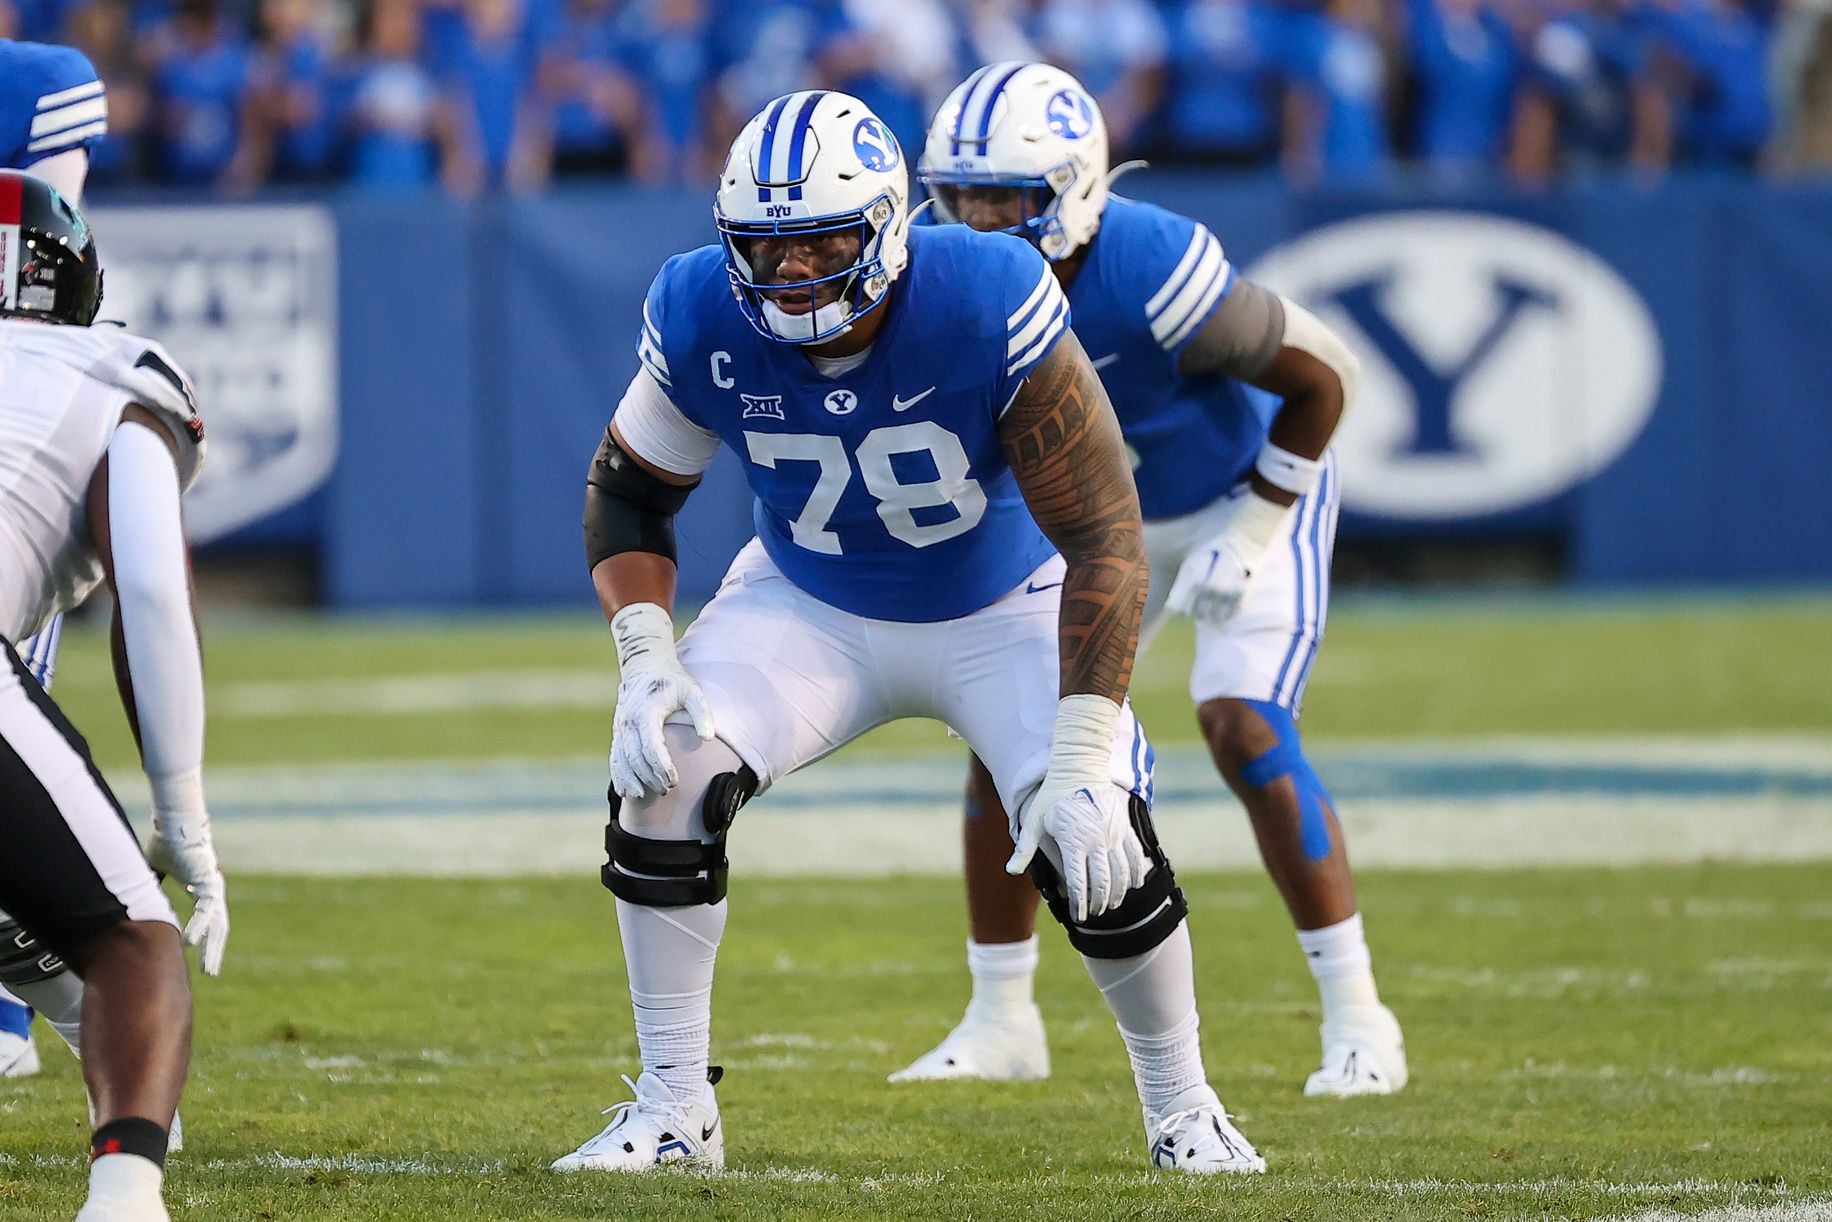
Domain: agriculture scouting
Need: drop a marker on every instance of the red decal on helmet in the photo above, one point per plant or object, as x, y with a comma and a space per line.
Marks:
12, 191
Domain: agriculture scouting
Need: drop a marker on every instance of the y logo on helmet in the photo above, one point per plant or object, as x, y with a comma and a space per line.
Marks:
842, 403
1502, 364
875, 145
1069, 114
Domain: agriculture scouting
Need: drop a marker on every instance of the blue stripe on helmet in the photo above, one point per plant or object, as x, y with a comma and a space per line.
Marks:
769, 144
798, 142
960, 116
992, 101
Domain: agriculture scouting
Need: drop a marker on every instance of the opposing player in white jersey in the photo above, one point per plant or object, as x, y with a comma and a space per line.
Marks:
1228, 396
99, 434
52, 109
923, 433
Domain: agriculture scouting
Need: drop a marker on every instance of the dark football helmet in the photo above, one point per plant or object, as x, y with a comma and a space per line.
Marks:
48, 265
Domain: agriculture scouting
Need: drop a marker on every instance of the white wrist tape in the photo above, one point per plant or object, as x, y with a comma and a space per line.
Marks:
644, 633
1081, 749
1256, 522
179, 795
1294, 473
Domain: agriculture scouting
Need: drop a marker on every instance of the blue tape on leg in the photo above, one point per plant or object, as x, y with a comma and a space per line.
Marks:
1287, 759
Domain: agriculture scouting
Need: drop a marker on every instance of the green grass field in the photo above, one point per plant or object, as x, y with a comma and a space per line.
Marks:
1586, 1043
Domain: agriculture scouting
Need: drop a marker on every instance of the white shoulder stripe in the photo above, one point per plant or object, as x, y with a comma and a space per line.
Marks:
1203, 283
67, 139
1030, 303
1057, 322
57, 119
1184, 266
1050, 305
1201, 310
75, 93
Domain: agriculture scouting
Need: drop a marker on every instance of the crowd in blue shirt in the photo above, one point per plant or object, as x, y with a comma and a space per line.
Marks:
508, 94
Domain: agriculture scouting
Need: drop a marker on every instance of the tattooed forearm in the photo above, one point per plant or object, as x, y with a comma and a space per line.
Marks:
1064, 446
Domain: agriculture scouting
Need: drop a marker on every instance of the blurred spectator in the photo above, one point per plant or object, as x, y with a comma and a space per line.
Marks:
38, 20
1118, 50
766, 48
102, 31
489, 68
199, 82
1465, 69
668, 52
404, 133
902, 58
1227, 82
587, 107
1800, 78
1336, 112
291, 118
1592, 103
1714, 56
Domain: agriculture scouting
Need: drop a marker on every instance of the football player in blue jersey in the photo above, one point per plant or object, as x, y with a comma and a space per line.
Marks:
946, 528
52, 109
1228, 396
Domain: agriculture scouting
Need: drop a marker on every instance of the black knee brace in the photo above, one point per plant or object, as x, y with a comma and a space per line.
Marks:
676, 873
1147, 916
23, 958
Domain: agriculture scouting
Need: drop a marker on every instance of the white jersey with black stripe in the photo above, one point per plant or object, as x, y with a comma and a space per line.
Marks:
62, 392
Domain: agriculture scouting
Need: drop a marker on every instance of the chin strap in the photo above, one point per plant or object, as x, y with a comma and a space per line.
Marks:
1124, 167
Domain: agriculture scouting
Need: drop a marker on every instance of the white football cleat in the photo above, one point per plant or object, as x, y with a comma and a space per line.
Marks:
1364, 1053
1196, 1136
174, 1137
1004, 1047
652, 1129
18, 1056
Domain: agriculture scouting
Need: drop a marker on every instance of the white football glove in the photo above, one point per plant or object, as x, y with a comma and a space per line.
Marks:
182, 849
1100, 858
1213, 579
655, 685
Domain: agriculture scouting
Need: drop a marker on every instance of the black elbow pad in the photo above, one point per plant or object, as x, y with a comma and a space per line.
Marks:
626, 508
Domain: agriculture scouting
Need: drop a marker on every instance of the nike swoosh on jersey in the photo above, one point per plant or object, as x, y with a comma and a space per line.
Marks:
1031, 589
904, 405
1105, 360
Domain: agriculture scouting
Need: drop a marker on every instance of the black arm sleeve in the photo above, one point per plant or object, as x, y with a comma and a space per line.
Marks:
626, 508
1241, 338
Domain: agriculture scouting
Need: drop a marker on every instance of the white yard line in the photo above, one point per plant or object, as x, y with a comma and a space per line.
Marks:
924, 838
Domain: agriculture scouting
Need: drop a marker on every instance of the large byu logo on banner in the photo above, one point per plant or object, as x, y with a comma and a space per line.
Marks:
1502, 363
246, 300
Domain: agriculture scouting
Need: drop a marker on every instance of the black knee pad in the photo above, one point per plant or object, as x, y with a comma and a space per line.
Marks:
24, 960
676, 873
1149, 914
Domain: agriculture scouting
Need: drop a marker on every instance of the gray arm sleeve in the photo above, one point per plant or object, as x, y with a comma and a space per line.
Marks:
1241, 337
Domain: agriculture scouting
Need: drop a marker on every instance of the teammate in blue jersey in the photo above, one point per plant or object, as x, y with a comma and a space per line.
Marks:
923, 433
1228, 396
52, 110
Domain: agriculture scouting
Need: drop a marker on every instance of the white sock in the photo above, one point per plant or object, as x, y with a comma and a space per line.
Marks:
1003, 973
125, 1179
1340, 962
1153, 999
669, 953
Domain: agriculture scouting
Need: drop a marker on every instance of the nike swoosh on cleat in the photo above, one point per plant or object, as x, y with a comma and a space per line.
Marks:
1105, 360
707, 1132
904, 405
1031, 589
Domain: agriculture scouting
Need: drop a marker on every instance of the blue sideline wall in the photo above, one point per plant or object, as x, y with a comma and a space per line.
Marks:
483, 347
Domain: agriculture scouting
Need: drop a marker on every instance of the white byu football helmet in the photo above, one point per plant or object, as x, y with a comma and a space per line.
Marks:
814, 163
1031, 127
